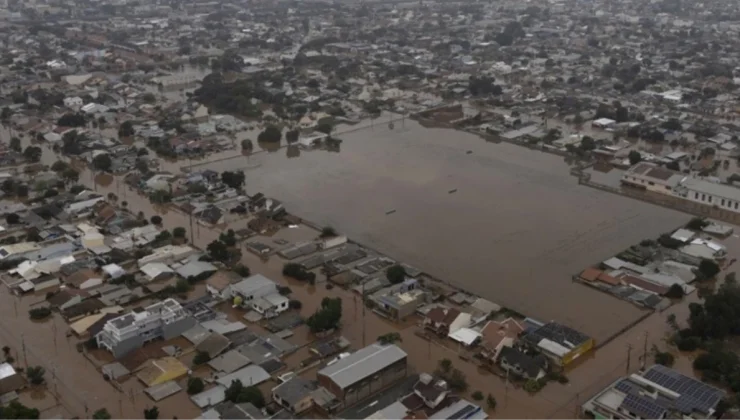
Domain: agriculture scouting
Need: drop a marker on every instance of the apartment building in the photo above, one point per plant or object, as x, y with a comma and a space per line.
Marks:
165, 320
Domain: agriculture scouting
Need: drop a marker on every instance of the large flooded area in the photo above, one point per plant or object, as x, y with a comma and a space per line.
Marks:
500, 220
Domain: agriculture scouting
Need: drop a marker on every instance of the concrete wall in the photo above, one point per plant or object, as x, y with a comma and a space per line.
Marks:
372, 385
127, 346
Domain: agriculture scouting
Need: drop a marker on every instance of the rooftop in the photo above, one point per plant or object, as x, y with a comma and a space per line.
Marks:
363, 363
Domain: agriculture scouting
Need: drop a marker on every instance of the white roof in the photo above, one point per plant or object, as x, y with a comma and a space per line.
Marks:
604, 121
152, 270
553, 347
465, 336
114, 270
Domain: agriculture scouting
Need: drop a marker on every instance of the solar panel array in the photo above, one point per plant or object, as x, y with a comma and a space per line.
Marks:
642, 407
694, 395
465, 412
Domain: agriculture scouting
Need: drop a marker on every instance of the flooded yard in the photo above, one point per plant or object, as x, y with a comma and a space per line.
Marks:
500, 220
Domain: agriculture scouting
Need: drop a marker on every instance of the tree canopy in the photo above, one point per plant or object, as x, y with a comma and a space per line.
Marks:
102, 162
396, 274
71, 120
233, 179
327, 317
271, 134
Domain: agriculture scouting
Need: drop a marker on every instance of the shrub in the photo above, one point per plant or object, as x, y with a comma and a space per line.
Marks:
39, 313
675, 291
688, 343
491, 401
697, 223
295, 304
195, 385
709, 268
477, 395
664, 358
284, 290
396, 274
201, 358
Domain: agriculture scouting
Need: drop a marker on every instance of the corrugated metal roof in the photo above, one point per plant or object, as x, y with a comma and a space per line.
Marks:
362, 364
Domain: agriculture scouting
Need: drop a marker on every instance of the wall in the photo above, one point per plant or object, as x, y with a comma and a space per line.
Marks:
578, 351
176, 328
127, 346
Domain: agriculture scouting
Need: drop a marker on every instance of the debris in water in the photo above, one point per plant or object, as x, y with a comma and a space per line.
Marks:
452, 191
390, 212
469, 152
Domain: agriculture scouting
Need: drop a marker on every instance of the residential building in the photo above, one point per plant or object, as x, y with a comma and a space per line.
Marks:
166, 319
462, 409
659, 393
651, 177
270, 306
253, 287
400, 300
722, 196
497, 335
167, 254
219, 284
10, 380
524, 365
431, 390
560, 343
363, 373
704, 249
439, 319
295, 394
159, 371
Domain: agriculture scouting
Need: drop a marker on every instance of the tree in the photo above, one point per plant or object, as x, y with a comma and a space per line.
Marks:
71, 120
102, 414
228, 238
672, 124
491, 401
709, 268
33, 153
664, 358
325, 127
635, 157
102, 162
15, 144
126, 129
445, 365
151, 413
477, 395
16, 410
328, 232
35, 375
201, 357
179, 232
218, 251
247, 145
5, 115
242, 270
271, 134
233, 179
195, 385
697, 223
389, 338
587, 143
156, 220
674, 166
622, 114
675, 291
327, 317
12, 219
396, 274
238, 393
292, 136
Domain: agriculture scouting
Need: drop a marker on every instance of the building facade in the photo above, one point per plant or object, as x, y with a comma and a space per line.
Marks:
165, 320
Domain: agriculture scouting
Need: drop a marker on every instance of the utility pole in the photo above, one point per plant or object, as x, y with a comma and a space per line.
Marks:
54, 377
506, 389
23, 347
54, 331
644, 351
576, 411
629, 354
192, 241
363, 315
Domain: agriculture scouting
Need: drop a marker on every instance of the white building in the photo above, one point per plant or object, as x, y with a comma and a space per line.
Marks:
721, 196
651, 177
166, 319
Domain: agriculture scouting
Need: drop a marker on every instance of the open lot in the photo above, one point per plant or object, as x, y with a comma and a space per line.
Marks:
514, 231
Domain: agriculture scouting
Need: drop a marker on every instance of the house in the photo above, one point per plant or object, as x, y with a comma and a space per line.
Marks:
247, 411
157, 271
725, 197
252, 288
432, 391
196, 269
400, 300
83, 206
165, 319
704, 249
560, 343
363, 373
651, 177
251, 375
74, 102
497, 335
271, 305
295, 394
167, 254
219, 284
10, 379
603, 123
659, 393
439, 319
159, 371
517, 362
66, 298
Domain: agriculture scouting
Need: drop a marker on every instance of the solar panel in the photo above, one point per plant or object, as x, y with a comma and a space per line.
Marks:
642, 407
695, 395
464, 412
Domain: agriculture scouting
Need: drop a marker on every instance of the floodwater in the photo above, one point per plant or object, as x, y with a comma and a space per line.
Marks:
514, 230
514, 242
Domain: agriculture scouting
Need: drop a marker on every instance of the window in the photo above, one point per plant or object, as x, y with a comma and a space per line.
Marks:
723, 201
651, 183
710, 199
703, 197
736, 205
696, 195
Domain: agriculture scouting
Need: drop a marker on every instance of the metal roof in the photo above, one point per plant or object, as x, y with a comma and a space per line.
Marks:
363, 363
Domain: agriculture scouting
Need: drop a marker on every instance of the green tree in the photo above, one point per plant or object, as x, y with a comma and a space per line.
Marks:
242, 270
327, 317
16, 410
156, 220
32, 153
491, 401
102, 414
709, 268
102, 162
233, 179
35, 375
247, 145
195, 385
70, 175
635, 157
201, 358
271, 134
389, 338
664, 358
396, 274
15, 144
218, 251
675, 291
477, 396
325, 127
179, 232
182, 286
151, 413
126, 129
292, 136
12, 219
445, 365
238, 393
